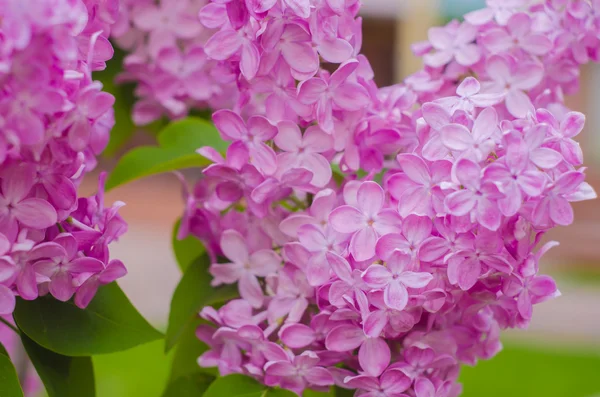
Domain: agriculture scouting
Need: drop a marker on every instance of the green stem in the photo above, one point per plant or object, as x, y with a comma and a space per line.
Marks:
9, 325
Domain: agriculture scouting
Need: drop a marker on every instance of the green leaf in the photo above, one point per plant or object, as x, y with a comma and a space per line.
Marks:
235, 386
340, 392
62, 376
109, 324
186, 250
193, 292
9, 381
243, 386
191, 385
177, 142
312, 393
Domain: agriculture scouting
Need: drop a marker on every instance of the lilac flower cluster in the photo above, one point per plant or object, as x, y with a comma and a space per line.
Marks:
388, 276
54, 120
166, 59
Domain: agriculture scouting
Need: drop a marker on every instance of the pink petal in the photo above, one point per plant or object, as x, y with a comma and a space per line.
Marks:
289, 137
375, 323
86, 265
561, 211
460, 203
496, 40
389, 244
335, 50
250, 290
301, 57
433, 249
377, 276
351, 97
486, 124
347, 219
319, 376
545, 158
463, 272
417, 228
249, 60
311, 90
229, 124
35, 213
415, 168
7, 300
572, 124
424, 388
456, 137
370, 198
374, 356
264, 262
234, 246
222, 45
264, 158
394, 381
61, 286
320, 168
344, 338
415, 280
362, 244
395, 295
297, 336
468, 55
340, 267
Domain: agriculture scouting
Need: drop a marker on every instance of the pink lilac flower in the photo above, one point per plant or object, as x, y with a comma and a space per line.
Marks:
380, 237
367, 221
54, 120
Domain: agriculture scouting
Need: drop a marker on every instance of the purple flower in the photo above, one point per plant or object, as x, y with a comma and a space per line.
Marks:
453, 42
297, 373
374, 353
367, 221
394, 279
245, 267
478, 196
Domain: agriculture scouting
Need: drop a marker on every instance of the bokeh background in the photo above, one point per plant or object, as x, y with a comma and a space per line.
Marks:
558, 356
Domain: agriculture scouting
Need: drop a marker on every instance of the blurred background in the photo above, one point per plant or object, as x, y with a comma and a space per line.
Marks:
559, 356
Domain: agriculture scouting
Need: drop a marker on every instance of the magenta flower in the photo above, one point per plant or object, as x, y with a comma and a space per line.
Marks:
59, 269
170, 16
335, 92
415, 229
554, 207
112, 272
252, 134
561, 134
229, 42
476, 144
373, 355
394, 279
417, 188
529, 291
465, 266
500, 10
297, 373
392, 383
514, 78
17, 208
470, 96
245, 267
367, 221
304, 151
518, 35
425, 388
453, 42
293, 44
515, 177
349, 285
478, 196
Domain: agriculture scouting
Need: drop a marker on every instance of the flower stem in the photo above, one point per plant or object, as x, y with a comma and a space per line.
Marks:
9, 325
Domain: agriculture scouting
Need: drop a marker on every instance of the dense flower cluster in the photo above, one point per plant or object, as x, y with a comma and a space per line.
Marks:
409, 260
54, 120
165, 56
